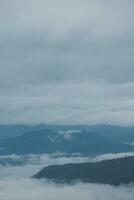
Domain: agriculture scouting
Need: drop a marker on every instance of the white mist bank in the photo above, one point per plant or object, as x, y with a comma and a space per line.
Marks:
15, 183
23, 166
27, 189
58, 158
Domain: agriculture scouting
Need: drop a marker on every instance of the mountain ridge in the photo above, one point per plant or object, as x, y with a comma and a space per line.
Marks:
67, 141
113, 172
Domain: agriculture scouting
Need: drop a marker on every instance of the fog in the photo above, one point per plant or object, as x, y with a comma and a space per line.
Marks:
28, 189
16, 184
56, 158
23, 166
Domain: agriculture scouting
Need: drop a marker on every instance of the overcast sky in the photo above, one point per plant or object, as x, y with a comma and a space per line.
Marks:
67, 61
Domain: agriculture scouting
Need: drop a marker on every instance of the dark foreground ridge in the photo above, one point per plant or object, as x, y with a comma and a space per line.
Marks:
114, 172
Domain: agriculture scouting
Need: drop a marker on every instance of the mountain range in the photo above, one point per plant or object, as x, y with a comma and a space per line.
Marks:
82, 139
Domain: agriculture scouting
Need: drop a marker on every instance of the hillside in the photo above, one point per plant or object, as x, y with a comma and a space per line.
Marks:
114, 172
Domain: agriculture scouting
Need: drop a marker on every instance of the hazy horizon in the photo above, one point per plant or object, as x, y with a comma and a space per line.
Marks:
64, 124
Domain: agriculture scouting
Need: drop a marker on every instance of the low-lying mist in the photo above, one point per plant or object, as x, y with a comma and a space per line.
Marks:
28, 189
16, 184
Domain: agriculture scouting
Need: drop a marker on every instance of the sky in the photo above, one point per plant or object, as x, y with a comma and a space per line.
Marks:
67, 62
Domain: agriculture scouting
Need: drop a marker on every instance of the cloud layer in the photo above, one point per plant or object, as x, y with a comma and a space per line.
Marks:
66, 61
20, 166
15, 182
27, 189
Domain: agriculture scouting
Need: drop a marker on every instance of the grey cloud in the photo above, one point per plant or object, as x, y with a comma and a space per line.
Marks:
73, 102
48, 50
93, 40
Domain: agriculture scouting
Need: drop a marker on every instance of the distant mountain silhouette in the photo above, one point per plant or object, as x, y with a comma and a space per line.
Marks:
119, 133
54, 139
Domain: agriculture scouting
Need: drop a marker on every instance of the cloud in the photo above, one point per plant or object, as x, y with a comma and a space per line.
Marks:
44, 160
68, 134
66, 61
23, 166
69, 103
32, 190
15, 182
57, 41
